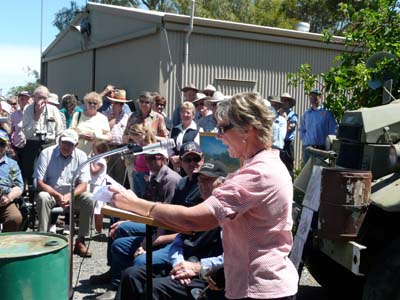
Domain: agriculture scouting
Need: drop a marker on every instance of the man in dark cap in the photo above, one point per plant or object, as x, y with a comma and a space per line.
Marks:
189, 94
316, 124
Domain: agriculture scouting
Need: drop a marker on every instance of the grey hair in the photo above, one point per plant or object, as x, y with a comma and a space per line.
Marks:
149, 96
246, 110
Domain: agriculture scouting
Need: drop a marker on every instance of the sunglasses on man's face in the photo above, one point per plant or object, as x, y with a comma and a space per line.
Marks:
195, 159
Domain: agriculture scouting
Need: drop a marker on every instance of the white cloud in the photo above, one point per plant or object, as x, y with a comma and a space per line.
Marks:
14, 60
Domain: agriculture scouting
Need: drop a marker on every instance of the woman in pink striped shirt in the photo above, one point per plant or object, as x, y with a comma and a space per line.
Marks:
253, 207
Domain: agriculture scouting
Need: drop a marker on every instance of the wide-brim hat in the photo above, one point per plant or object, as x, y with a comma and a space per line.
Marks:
53, 99
274, 99
190, 86
119, 96
216, 97
210, 88
288, 96
198, 97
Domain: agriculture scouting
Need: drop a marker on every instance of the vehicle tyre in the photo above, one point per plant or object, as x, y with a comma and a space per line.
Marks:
383, 281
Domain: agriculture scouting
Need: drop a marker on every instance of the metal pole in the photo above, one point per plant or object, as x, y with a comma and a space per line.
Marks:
71, 208
192, 6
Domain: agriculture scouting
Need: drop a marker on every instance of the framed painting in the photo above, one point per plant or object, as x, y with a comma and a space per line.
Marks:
214, 149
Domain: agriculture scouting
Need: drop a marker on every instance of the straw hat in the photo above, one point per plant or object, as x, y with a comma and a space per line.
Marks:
119, 96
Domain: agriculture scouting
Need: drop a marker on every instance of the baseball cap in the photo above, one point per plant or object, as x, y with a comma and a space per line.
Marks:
163, 152
214, 168
4, 136
24, 93
316, 91
190, 147
69, 135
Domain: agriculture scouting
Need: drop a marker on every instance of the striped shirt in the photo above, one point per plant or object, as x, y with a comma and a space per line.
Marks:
253, 207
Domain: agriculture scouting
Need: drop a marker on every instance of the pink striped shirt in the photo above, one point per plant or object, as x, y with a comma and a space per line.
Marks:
254, 209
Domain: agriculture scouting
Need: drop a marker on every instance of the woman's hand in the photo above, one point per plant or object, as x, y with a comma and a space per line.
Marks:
123, 198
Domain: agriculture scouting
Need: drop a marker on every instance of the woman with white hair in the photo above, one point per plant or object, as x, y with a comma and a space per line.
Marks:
91, 125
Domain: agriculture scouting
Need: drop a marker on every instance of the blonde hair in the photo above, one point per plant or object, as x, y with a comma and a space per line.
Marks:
149, 137
189, 106
93, 96
246, 110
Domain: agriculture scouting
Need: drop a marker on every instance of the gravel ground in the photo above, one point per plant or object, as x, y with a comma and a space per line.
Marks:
309, 289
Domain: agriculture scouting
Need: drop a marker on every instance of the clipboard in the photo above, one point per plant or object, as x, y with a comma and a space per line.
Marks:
131, 216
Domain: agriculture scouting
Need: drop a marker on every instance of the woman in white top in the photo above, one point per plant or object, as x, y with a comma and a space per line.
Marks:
186, 131
91, 125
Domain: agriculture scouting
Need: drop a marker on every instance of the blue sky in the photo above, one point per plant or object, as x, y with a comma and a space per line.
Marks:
20, 37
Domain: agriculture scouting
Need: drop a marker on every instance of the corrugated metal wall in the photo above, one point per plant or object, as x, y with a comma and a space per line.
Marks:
132, 65
70, 74
237, 65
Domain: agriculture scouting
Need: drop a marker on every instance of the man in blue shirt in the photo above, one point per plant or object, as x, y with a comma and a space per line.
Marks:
287, 155
11, 186
316, 124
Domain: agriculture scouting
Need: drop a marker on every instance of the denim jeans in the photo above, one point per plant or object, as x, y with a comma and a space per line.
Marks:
139, 184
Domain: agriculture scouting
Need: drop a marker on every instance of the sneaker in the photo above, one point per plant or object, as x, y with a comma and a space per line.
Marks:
66, 230
53, 228
104, 278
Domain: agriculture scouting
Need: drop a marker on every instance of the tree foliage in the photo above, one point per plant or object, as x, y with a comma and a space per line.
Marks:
323, 14
29, 86
346, 84
65, 16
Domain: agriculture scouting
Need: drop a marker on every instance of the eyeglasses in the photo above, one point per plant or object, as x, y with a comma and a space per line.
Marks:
13, 104
160, 104
153, 157
144, 102
92, 103
223, 129
195, 159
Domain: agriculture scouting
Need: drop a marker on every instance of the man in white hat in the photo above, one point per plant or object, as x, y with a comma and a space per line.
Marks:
54, 172
208, 123
209, 90
53, 100
287, 156
117, 119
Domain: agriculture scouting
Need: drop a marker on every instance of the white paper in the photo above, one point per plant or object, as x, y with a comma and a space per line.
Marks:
103, 194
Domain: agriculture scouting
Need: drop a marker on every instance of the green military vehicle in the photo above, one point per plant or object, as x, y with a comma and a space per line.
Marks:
353, 246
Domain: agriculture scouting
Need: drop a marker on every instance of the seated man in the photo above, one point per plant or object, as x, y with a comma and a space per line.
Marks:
128, 236
185, 254
54, 172
11, 187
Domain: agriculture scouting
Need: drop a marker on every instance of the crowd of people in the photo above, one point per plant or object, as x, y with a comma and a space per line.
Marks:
242, 220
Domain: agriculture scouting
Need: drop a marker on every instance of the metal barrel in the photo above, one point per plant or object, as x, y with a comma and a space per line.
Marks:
33, 266
345, 197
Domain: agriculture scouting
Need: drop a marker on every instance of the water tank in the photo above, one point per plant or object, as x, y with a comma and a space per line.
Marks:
303, 26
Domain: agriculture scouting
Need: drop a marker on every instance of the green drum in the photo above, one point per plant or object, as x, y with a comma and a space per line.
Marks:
33, 266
